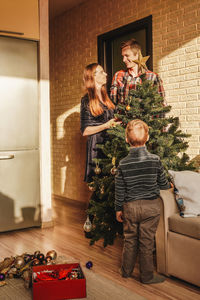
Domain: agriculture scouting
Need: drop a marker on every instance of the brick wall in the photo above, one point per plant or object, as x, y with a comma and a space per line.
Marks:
73, 45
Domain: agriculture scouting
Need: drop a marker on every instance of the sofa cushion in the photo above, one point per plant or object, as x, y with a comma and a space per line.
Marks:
187, 185
186, 226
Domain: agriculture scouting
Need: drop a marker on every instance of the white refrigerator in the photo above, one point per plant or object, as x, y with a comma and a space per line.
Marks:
19, 135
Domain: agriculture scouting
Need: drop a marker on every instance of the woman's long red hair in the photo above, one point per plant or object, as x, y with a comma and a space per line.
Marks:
94, 102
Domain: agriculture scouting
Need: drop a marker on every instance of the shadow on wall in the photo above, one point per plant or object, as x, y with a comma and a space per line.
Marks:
70, 165
30, 215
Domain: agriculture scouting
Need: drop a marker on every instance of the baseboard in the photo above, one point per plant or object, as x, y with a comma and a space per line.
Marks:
47, 224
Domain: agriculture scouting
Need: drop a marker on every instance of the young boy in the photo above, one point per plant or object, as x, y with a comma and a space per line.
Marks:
138, 181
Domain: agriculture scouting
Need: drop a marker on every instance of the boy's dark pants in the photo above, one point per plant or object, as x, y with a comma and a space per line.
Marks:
141, 219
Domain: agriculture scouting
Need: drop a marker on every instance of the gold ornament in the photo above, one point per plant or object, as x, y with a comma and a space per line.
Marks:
19, 262
113, 160
141, 61
27, 278
91, 187
8, 261
36, 253
52, 253
48, 260
102, 190
113, 171
97, 170
35, 262
128, 107
2, 283
87, 225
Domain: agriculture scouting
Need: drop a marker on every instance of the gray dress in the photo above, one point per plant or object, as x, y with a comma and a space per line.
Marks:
87, 119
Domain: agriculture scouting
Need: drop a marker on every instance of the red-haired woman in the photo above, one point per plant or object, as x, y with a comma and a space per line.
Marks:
97, 112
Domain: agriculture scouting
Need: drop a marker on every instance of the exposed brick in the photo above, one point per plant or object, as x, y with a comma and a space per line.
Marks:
193, 103
193, 118
190, 83
190, 124
189, 111
178, 104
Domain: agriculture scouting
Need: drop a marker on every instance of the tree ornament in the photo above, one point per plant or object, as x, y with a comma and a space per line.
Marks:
87, 225
8, 261
36, 253
48, 260
27, 278
89, 264
128, 107
40, 256
32, 257
113, 160
91, 187
113, 171
102, 189
19, 262
35, 262
52, 253
12, 272
44, 261
141, 61
97, 170
27, 258
2, 276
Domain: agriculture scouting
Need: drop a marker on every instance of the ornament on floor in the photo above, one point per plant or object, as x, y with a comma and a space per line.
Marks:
89, 264
19, 262
2, 276
87, 225
52, 253
20, 266
36, 253
48, 260
40, 256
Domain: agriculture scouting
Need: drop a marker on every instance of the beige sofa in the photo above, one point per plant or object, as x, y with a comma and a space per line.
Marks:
177, 242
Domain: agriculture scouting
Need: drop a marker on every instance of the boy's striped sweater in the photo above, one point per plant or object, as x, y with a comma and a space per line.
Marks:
140, 176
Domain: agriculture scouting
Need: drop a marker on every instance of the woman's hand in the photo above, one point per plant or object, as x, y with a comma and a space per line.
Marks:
95, 129
112, 123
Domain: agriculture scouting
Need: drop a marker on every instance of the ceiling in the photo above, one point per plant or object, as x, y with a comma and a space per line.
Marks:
57, 7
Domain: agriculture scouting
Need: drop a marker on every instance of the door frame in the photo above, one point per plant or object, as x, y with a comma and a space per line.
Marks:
105, 49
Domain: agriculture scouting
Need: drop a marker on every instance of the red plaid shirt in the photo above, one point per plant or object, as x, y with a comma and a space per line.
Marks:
123, 81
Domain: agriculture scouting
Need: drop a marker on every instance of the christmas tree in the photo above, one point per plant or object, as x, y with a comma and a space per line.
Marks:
166, 140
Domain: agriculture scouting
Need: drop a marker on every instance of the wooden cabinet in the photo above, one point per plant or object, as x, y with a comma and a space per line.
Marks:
20, 18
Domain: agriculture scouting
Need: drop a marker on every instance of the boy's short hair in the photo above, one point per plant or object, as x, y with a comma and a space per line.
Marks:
134, 45
137, 132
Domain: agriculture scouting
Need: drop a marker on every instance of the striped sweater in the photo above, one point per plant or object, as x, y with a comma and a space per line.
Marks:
140, 176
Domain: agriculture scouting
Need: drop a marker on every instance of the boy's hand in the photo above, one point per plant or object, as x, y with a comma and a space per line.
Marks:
119, 216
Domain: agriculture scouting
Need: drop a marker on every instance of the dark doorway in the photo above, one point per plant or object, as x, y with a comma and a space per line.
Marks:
109, 52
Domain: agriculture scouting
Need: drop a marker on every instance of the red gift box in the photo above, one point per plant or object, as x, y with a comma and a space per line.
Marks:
58, 289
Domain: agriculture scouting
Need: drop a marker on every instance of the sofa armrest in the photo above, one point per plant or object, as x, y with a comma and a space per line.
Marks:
169, 204
168, 208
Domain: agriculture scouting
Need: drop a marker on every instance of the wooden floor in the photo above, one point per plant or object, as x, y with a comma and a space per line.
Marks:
67, 238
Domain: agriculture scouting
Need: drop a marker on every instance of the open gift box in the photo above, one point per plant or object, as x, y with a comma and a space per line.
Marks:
56, 289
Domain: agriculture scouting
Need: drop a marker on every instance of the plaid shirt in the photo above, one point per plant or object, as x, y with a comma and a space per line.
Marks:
123, 81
